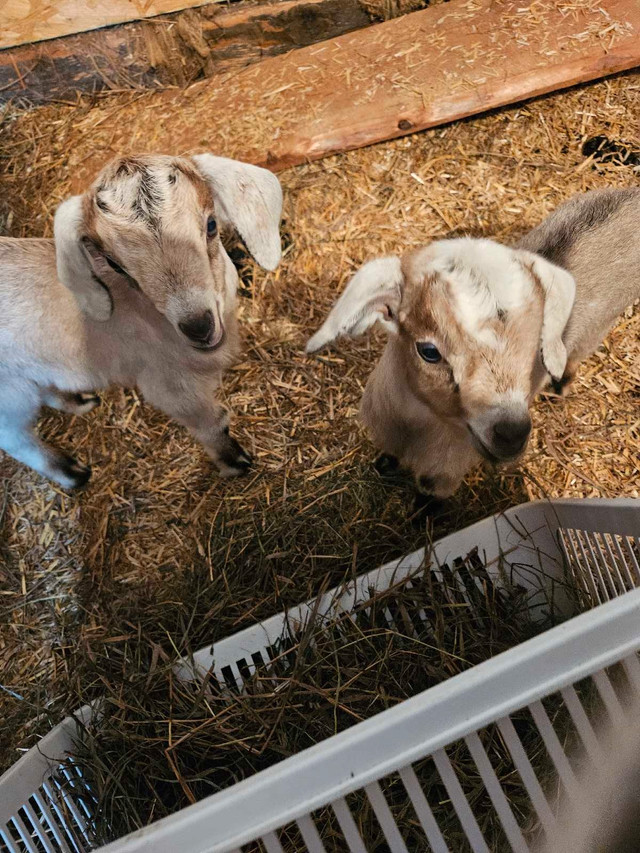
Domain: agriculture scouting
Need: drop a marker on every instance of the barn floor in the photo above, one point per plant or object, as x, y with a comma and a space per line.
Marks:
159, 555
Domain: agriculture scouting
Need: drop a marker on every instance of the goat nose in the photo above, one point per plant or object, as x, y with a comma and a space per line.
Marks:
510, 435
198, 328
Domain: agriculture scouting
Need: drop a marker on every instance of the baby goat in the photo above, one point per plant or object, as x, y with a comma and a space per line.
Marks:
135, 290
478, 329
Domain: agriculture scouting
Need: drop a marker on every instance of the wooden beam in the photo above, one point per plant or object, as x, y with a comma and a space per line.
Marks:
171, 50
28, 21
424, 69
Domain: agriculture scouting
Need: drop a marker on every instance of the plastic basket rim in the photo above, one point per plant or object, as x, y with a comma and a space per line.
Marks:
457, 684
380, 725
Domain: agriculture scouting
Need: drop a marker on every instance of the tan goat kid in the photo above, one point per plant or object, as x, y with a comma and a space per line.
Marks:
478, 329
135, 290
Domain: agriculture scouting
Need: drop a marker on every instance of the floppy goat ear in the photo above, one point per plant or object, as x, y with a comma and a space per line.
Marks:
74, 268
250, 199
372, 295
559, 293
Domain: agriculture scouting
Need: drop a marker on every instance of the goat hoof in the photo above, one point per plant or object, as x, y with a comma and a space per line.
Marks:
424, 504
85, 402
71, 473
561, 387
426, 485
387, 465
234, 460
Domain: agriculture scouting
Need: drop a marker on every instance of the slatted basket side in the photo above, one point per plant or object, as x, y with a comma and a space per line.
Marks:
519, 548
404, 810
45, 803
538, 748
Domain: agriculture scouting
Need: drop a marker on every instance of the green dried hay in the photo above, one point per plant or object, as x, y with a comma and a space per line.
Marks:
162, 744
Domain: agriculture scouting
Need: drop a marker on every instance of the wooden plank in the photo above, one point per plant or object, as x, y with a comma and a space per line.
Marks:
27, 21
172, 50
410, 73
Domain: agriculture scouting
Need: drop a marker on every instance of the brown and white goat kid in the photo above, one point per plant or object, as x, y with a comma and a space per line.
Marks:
134, 290
478, 329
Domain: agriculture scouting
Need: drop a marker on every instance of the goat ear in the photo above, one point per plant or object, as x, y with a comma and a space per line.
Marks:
74, 267
559, 293
250, 199
372, 295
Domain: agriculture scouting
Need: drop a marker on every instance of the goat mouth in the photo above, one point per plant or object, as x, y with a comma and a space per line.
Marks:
210, 347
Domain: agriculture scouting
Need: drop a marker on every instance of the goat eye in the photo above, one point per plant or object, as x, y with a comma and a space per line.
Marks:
428, 353
114, 266
212, 227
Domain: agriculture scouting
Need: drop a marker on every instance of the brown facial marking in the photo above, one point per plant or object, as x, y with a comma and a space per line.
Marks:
148, 214
426, 315
540, 294
202, 187
473, 373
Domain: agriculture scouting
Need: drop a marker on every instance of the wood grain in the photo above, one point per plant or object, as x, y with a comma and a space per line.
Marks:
173, 50
424, 69
27, 21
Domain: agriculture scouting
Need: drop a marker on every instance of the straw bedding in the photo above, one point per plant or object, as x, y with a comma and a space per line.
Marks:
159, 556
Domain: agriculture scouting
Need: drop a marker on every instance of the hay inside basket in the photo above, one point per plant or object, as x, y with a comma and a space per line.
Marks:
325, 677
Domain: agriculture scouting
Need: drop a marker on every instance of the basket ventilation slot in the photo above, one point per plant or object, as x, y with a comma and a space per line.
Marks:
55, 818
464, 580
397, 813
603, 565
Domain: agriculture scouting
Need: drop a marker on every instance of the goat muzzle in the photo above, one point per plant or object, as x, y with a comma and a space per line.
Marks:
203, 331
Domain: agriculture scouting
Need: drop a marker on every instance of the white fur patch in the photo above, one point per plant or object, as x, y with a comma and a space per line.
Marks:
372, 295
250, 199
485, 278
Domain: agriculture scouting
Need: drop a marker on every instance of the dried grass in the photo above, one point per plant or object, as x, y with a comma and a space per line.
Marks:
330, 679
159, 555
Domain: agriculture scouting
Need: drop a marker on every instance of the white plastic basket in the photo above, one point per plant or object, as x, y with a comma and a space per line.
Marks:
596, 543
36, 812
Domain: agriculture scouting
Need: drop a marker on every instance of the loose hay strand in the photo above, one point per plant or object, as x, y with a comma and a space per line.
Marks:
161, 554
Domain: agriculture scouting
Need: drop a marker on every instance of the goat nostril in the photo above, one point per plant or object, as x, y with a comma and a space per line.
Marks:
510, 436
198, 328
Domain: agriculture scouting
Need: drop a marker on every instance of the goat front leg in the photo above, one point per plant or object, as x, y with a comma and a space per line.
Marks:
196, 408
18, 412
212, 431
27, 448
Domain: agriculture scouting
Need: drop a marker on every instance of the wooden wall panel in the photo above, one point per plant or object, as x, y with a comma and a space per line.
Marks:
172, 50
27, 21
414, 72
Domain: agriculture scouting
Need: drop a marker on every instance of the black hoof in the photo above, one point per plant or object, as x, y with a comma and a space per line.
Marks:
73, 472
387, 465
234, 458
426, 485
87, 399
427, 504
559, 386
243, 462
